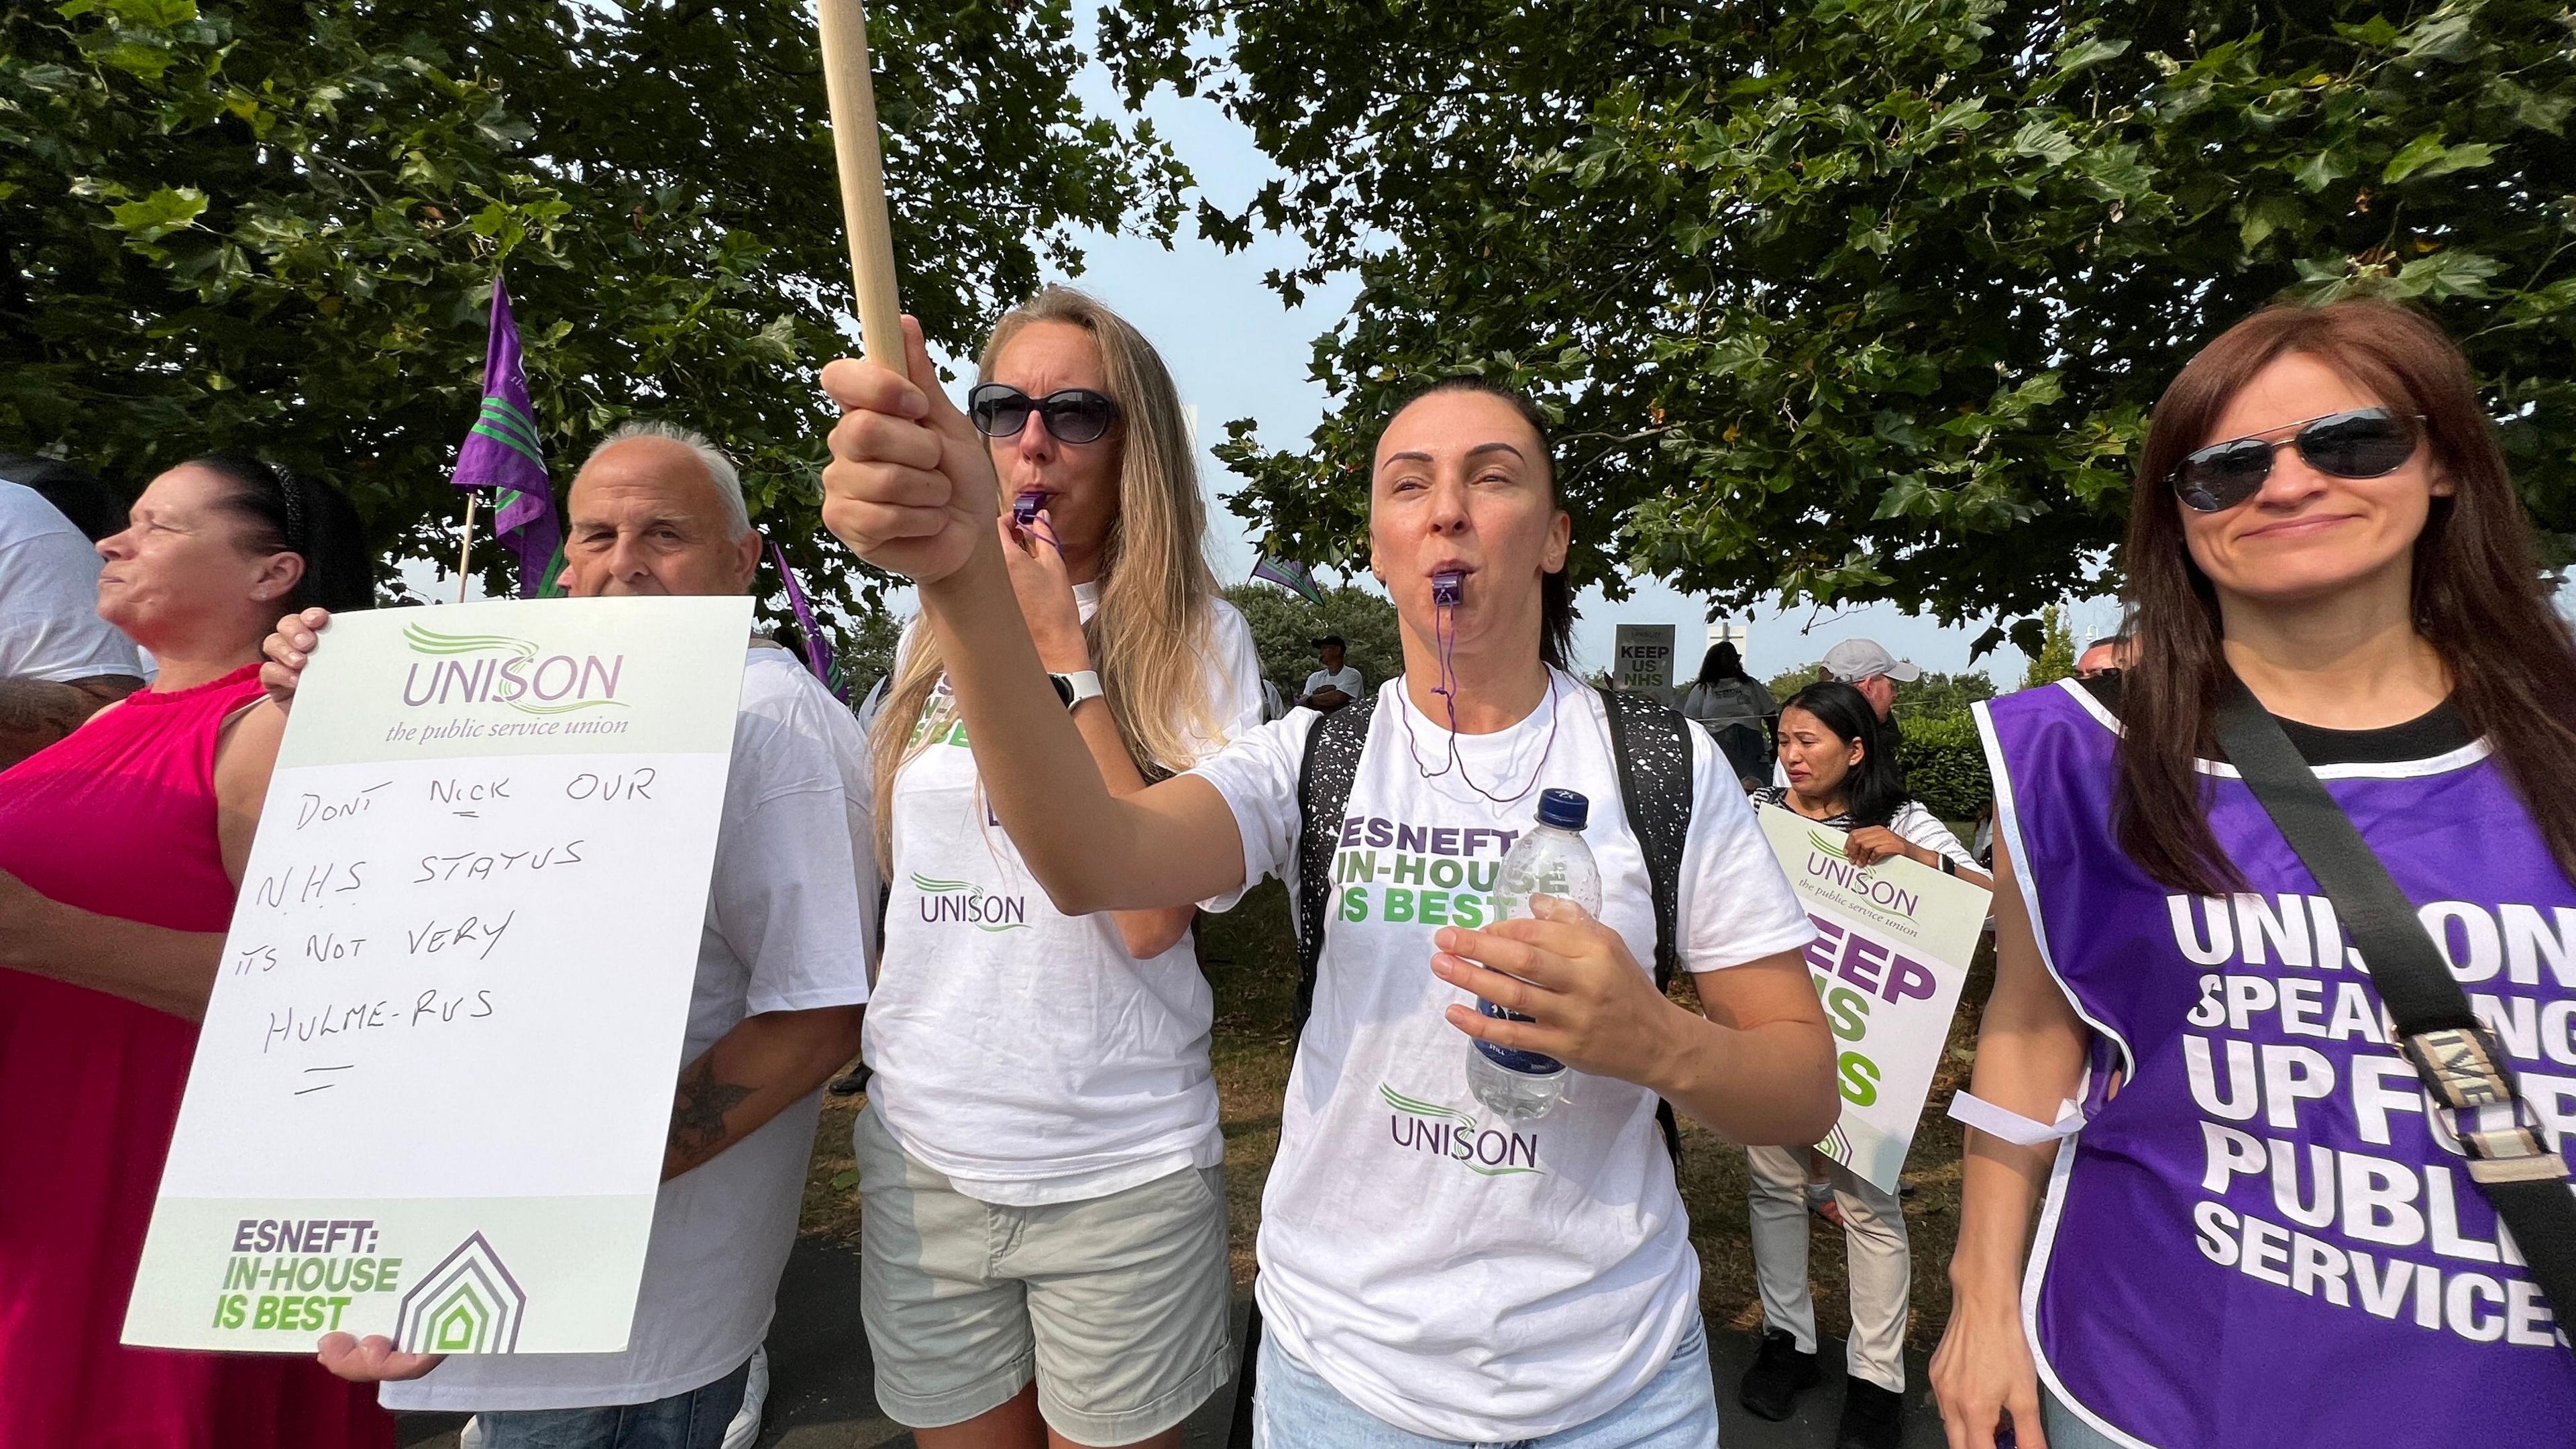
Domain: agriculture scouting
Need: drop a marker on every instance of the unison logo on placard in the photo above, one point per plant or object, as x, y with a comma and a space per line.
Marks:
499, 669
1827, 863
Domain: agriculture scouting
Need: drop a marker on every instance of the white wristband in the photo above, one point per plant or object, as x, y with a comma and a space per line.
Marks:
2012, 1126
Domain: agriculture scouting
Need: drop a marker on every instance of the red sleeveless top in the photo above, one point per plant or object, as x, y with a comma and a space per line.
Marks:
119, 818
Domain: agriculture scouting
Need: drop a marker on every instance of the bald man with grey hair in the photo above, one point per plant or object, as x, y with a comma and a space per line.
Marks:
720, 470
782, 975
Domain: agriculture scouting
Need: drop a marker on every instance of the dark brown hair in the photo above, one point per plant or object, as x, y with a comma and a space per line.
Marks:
1556, 590
291, 512
2478, 596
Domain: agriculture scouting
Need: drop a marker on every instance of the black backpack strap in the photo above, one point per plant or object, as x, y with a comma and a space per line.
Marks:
1651, 742
2462, 1065
1324, 779
1325, 774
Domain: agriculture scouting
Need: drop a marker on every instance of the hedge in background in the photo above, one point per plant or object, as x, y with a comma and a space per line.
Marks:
1945, 766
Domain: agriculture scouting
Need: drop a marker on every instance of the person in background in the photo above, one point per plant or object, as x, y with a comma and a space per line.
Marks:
60, 662
1865, 666
1735, 709
782, 977
1044, 1237
2298, 1253
2104, 657
1336, 683
1840, 779
121, 850
1414, 1299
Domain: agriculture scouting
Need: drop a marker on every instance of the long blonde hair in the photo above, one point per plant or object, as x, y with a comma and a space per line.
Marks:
1157, 592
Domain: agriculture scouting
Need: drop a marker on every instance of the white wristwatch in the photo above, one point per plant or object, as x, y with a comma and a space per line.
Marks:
1076, 687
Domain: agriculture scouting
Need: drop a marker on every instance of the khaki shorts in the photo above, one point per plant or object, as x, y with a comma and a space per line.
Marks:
1117, 1306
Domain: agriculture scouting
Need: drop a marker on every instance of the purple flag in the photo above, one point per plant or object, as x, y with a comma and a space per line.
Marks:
502, 453
818, 651
1290, 577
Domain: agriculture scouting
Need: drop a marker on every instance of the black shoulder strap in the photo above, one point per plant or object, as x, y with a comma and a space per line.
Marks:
1651, 743
2462, 1065
1324, 778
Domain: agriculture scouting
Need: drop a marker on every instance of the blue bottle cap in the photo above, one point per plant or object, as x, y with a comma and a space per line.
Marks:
1564, 808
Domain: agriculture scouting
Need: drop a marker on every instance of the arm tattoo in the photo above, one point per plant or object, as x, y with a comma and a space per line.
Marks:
697, 1121
36, 712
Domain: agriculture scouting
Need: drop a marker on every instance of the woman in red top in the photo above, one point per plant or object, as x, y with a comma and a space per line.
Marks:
121, 848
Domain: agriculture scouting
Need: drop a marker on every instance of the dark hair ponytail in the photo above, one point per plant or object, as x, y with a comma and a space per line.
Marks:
1875, 789
291, 513
1556, 590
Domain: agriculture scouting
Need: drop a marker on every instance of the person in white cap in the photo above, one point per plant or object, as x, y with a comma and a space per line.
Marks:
1865, 666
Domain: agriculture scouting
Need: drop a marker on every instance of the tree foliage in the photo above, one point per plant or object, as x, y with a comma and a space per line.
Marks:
274, 224
2055, 658
1842, 300
1282, 623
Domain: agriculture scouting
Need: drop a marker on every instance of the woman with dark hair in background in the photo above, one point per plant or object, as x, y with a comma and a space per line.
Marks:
1841, 779
1735, 709
121, 849
2265, 1232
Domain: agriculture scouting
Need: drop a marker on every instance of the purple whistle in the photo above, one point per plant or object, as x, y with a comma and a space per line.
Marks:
1024, 509
1447, 588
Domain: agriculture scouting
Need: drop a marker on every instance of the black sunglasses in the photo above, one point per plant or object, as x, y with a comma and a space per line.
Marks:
2365, 443
1074, 415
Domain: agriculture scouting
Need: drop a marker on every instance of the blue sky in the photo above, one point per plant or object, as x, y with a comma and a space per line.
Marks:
1238, 351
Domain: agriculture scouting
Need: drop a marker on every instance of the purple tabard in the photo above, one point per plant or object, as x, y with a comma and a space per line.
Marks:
2261, 1239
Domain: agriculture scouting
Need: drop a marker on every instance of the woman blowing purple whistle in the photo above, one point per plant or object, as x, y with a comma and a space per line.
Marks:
1411, 1298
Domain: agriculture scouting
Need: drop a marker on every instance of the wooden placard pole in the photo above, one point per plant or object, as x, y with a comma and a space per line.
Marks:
853, 97
465, 550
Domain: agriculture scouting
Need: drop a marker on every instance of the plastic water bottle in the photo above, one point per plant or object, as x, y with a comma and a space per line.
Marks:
1551, 860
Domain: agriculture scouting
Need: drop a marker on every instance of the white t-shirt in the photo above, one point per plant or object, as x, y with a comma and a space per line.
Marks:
1913, 823
49, 623
1346, 679
1456, 1277
791, 926
1019, 1051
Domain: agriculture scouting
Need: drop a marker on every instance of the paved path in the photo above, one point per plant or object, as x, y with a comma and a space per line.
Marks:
819, 1377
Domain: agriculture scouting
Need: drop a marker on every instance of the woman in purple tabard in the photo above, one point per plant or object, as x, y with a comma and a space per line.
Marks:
2258, 1237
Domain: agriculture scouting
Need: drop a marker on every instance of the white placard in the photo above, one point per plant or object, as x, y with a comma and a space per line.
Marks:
434, 1085
1642, 656
1893, 944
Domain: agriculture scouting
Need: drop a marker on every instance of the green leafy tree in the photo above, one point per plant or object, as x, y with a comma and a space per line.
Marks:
1943, 696
2055, 658
1282, 623
1867, 299
266, 224
1789, 681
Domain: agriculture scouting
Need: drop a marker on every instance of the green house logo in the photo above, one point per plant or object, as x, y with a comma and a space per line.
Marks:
469, 1303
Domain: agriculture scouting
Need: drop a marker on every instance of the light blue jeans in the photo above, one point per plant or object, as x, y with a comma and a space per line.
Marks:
692, 1420
1677, 1409
2065, 1429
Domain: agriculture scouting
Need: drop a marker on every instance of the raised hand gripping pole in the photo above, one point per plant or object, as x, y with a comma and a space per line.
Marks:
844, 33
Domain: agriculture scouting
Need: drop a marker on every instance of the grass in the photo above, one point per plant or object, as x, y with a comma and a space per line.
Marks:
1250, 958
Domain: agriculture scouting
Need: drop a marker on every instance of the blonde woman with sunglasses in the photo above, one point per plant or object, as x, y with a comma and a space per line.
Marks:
1045, 1230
